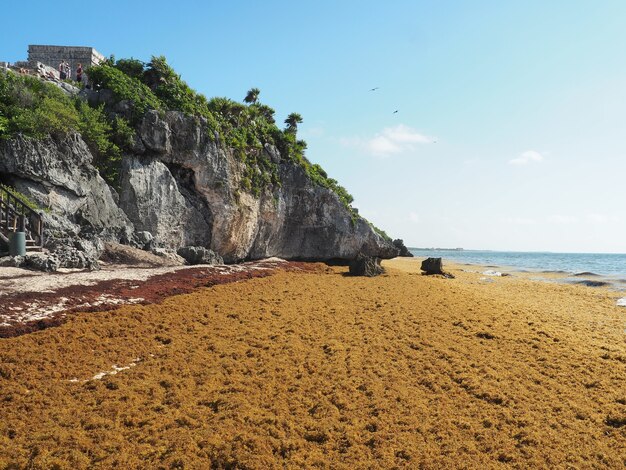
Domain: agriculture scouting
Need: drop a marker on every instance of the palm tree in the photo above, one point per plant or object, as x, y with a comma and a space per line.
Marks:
253, 96
292, 122
265, 111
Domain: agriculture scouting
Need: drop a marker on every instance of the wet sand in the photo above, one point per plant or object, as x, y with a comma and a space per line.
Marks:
322, 370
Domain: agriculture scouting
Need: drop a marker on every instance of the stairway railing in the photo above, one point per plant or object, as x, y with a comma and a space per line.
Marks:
12, 211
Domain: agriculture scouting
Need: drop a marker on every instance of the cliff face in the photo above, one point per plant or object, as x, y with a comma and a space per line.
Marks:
184, 187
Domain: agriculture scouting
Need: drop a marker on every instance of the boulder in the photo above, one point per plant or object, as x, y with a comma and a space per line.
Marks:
199, 255
74, 258
11, 261
368, 266
432, 266
41, 262
76, 252
169, 255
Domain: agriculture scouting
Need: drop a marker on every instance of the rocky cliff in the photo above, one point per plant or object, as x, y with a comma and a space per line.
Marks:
181, 186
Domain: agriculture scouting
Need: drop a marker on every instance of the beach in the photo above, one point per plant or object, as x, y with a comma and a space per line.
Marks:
311, 368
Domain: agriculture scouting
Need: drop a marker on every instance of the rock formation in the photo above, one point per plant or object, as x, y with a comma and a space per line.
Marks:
403, 250
368, 266
181, 187
435, 266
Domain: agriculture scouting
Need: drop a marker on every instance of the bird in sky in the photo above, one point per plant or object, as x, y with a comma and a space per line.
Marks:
375, 88
395, 112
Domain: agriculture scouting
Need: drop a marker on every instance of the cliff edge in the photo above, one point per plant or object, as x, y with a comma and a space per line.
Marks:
181, 183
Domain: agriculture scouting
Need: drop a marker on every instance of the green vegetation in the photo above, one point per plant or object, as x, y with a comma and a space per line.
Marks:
252, 96
380, 232
292, 122
245, 129
38, 109
124, 87
34, 108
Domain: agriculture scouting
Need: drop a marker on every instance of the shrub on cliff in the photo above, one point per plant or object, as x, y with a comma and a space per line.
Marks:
105, 138
37, 109
34, 108
124, 87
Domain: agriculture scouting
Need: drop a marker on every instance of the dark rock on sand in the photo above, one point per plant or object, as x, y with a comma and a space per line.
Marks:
434, 266
368, 266
41, 262
11, 261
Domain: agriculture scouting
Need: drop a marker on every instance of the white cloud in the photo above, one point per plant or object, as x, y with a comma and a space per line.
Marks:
413, 217
563, 219
391, 141
601, 218
524, 158
519, 221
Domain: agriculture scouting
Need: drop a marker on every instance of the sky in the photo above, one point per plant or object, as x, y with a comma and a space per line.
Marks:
509, 130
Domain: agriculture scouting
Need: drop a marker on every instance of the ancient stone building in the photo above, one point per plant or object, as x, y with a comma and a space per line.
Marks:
53, 55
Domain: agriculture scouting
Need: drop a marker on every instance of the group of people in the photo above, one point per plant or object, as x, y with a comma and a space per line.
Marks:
65, 71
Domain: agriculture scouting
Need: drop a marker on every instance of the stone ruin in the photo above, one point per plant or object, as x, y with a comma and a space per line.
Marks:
44, 60
52, 56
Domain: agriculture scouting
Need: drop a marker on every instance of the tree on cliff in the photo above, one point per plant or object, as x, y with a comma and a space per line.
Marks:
292, 122
253, 96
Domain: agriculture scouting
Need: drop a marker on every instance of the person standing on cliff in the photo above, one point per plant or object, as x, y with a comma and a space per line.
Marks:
62, 73
79, 73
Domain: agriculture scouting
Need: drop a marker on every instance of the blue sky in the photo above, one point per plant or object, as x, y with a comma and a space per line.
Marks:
510, 127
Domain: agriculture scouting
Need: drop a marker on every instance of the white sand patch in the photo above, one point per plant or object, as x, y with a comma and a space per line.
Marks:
19, 281
490, 272
33, 311
114, 370
14, 280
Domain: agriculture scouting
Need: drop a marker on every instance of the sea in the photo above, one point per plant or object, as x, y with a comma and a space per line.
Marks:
575, 266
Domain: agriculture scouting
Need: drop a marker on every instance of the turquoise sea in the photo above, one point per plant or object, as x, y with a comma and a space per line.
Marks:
610, 266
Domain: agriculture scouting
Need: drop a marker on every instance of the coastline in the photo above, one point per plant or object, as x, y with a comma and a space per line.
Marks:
314, 367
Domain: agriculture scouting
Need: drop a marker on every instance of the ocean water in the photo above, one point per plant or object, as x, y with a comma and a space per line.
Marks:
612, 266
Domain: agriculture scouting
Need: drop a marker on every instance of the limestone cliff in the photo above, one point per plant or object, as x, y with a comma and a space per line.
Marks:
183, 186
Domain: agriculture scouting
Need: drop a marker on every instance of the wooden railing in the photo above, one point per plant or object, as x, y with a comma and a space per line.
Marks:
16, 215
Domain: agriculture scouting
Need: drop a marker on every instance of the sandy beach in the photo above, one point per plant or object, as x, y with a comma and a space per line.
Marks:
311, 368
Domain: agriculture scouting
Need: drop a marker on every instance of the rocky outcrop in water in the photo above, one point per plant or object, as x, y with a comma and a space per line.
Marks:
182, 187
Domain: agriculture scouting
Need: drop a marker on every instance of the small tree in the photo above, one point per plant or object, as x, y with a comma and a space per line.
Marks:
253, 96
292, 122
